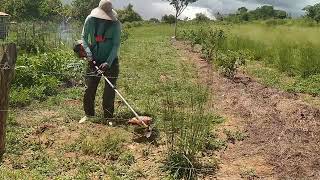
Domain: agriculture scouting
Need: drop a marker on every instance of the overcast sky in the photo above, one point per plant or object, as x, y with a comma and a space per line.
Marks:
157, 8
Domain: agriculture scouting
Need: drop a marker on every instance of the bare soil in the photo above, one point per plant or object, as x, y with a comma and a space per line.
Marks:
283, 130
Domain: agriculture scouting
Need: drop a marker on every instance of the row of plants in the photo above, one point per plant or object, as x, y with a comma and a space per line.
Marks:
298, 60
213, 48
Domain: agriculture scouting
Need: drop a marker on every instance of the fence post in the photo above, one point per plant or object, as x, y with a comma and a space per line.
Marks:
8, 58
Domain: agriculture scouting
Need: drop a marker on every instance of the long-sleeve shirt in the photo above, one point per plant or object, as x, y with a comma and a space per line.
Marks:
107, 50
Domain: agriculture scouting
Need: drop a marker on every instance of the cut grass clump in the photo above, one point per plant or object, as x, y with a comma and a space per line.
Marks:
109, 145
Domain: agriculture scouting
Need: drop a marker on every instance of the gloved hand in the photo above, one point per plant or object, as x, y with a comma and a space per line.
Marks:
103, 67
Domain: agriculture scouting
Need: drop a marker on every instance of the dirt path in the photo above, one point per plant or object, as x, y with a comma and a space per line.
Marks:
283, 131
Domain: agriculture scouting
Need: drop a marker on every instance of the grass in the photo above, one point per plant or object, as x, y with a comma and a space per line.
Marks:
45, 140
108, 145
283, 52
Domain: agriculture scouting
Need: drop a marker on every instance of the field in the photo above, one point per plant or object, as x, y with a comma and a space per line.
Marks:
282, 56
45, 139
227, 101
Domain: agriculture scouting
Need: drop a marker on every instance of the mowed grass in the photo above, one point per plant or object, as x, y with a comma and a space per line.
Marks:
45, 141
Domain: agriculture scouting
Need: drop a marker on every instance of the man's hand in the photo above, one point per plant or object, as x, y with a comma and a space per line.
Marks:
89, 58
104, 67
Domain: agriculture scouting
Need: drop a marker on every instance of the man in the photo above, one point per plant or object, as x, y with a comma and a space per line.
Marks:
101, 41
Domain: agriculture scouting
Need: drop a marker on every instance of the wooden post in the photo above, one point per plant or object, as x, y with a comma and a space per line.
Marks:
8, 57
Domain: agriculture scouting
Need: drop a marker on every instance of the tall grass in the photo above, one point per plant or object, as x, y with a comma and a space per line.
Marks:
291, 49
188, 131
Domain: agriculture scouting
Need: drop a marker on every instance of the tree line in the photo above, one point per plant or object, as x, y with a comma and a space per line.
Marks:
55, 10
21, 10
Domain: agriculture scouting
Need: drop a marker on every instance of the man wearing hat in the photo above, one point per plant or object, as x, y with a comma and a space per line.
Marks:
101, 41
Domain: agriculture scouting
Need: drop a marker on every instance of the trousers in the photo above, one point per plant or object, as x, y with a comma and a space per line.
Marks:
92, 81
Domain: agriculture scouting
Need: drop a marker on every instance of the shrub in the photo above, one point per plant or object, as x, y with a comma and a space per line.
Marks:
39, 76
229, 62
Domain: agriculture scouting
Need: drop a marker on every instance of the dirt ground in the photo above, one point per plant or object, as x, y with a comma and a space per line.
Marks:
283, 130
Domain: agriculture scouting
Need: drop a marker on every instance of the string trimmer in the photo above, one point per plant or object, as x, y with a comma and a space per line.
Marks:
143, 121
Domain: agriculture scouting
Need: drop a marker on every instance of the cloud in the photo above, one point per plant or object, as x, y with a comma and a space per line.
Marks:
157, 8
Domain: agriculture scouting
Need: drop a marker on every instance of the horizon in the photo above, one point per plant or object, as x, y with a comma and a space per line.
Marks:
158, 8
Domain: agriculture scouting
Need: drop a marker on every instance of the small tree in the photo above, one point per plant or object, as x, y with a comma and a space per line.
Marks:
82, 8
128, 14
201, 17
179, 6
242, 10
154, 20
170, 19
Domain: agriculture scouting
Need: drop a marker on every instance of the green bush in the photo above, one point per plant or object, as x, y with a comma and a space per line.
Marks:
215, 47
40, 76
229, 62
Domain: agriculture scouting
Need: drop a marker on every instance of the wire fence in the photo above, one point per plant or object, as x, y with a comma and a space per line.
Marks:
49, 33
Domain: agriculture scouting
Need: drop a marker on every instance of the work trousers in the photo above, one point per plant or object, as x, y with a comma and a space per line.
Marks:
92, 82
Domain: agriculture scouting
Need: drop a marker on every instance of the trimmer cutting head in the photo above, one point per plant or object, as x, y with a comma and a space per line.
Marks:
143, 121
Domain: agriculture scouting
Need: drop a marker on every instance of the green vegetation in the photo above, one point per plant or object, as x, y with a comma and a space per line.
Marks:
54, 10
48, 126
313, 12
45, 140
290, 50
261, 13
179, 7
128, 14
33, 10
187, 133
212, 42
40, 76
170, 19
201, 17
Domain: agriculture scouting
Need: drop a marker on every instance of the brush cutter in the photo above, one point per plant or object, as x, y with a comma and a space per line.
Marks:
143, 121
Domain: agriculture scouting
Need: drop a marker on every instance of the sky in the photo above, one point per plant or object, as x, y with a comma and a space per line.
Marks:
157, 8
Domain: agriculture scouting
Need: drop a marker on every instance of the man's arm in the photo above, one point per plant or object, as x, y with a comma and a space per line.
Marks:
116, 41
86, 35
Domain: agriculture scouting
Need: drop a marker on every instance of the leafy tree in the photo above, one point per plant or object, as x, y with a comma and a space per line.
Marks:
82, 8
201, 17
279, 14
50, 9
313, 12
264, 12
32, 9
23, 9
154, 20
66, 11
170, 19
242, 10
179, 6
129, 15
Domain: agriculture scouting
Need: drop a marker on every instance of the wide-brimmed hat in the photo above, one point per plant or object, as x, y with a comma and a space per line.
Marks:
104, 11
